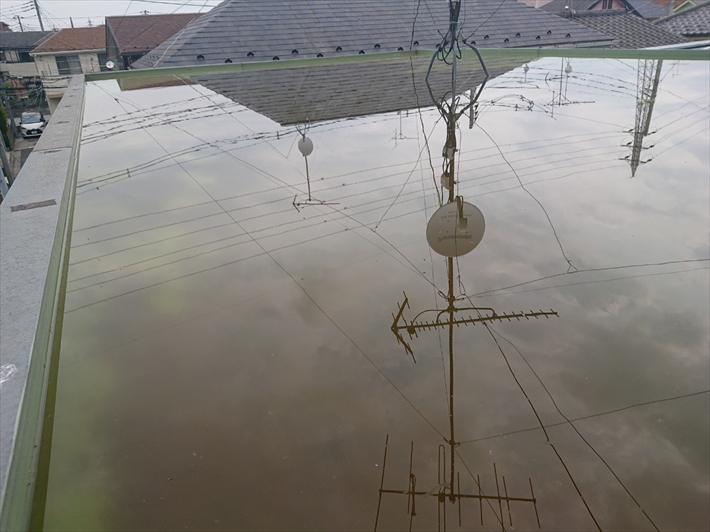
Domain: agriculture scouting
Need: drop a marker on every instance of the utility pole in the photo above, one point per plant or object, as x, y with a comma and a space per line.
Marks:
648, 78
19, 20
39, 16
71, 21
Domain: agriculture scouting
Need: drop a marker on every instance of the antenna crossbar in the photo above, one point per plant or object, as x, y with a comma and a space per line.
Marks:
400, 323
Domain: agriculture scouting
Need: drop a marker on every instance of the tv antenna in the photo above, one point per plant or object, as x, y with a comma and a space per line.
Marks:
447, 318
398, 133
454, 230
561, 95
305, 146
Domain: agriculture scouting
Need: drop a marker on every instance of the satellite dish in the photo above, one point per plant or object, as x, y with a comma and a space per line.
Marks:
110, 64
305, 146
452, 235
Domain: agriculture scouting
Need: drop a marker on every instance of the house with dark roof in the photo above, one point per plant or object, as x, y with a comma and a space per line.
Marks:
676, 6
130, 38
671, 6
254, 30
643, 8
693, 23
15, 48
627, 29
69, 51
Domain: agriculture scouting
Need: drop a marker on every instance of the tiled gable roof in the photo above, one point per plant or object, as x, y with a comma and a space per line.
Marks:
694, 21
647, 8
70, 39
21, 40
558, 6
664, 3
142, 33
243, 30
628, 30
316, 93
643, 8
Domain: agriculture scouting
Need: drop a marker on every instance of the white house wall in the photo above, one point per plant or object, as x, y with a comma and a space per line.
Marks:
47, 64
55, 84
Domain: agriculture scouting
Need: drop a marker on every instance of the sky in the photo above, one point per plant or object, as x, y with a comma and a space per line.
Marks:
60, 13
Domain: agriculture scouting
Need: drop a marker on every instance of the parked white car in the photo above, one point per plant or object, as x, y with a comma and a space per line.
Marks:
32, 124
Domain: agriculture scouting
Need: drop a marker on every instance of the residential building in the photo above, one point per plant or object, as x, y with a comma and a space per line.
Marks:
67, 52
693, 22
642, 8
15, 48
250, 30
628, 30
130, 38
676, 6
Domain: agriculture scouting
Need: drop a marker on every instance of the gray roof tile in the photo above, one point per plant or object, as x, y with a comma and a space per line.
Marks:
22, 40
692, 22
276, 27
647, 9
628, 30
318, 93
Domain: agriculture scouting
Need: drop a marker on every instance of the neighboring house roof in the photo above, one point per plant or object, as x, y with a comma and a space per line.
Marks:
243, 30
558, 6
74, 39
628, 30
676, 3
691, 22
22, 40
684, 5
643, 8
142, 33
316, 93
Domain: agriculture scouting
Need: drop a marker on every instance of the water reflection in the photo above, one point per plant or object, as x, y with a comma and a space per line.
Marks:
649, 75
248, 355
305, 146
453, 231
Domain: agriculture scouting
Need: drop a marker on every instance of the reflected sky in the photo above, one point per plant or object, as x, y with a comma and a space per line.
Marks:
227, 359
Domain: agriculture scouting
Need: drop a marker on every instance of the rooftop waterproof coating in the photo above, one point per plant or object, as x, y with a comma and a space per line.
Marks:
235, 357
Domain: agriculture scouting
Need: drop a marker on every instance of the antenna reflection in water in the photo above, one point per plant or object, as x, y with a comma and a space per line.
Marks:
305, 146
453, 231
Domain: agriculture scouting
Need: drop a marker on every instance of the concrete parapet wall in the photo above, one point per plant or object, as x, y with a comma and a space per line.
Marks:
35, 228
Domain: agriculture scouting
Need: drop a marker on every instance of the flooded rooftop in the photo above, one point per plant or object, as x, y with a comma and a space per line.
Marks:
500, 321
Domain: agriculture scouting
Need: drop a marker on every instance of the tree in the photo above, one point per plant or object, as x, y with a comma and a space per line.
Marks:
4, 126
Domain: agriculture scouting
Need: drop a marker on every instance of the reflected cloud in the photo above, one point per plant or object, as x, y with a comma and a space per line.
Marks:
225, 354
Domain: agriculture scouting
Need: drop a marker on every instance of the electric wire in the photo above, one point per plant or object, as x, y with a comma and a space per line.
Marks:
305, 292
570, 423
590, 416
571, 266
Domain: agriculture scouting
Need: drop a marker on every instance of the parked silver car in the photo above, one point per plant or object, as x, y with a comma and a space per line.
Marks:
32, 124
